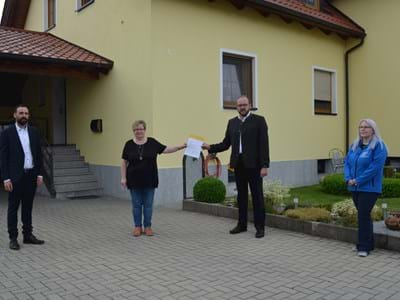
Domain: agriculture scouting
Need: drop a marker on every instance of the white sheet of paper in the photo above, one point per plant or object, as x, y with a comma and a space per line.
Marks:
193, 148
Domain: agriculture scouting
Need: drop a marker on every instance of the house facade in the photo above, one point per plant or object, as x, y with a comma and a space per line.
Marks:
180, 64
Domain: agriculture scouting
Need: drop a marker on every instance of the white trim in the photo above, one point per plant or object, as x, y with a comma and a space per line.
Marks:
253, 57
334, 88
45, 15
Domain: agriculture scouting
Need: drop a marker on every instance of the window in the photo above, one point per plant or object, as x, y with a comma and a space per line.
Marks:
324, 91
49, 14
311, 3
238, 78
81, 4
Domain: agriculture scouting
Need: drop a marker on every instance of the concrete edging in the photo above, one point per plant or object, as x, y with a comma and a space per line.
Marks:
325, 230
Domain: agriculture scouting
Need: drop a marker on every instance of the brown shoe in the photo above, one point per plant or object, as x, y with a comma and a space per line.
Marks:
137, 231
148, 231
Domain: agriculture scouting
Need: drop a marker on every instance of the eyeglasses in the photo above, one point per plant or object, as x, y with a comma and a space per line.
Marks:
138, 129
364, 127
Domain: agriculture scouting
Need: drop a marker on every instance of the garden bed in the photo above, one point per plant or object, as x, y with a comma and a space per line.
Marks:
384, 239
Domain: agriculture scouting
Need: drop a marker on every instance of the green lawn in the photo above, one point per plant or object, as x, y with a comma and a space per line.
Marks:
313, 195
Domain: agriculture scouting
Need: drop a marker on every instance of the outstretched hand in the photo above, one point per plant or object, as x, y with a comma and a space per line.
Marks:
205, 146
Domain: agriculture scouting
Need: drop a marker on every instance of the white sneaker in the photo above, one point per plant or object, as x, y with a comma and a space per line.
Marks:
362, 253
354, 249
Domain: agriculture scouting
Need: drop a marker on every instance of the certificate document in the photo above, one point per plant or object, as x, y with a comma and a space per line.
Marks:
193, 147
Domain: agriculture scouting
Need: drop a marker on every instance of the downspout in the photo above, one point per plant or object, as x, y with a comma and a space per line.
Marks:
347, 101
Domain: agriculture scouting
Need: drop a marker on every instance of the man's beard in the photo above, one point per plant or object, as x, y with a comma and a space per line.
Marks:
22, 121
243, 113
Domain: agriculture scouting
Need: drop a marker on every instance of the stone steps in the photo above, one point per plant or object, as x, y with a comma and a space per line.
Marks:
72, 177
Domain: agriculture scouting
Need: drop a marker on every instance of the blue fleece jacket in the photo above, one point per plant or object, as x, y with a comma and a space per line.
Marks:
365, 165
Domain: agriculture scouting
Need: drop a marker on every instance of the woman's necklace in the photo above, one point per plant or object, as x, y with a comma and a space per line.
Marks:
140, 147
140, 151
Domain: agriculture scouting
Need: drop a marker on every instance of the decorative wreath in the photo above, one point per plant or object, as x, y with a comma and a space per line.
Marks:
212, 157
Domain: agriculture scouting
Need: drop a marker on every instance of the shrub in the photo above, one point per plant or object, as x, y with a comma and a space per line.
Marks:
388, 171
210, 190
275, 192
309, 214
390, 188
334, 184
346, 213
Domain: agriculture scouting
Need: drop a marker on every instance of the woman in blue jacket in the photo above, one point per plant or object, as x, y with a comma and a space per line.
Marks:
363, 174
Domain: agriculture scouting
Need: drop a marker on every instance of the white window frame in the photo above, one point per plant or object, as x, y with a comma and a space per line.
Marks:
253, 57
334, 89
45, 15
79, 7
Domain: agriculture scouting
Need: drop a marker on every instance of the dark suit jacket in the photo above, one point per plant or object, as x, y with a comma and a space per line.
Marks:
12, 154
255, 147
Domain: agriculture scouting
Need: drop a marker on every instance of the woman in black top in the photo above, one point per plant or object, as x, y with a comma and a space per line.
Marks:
140, 175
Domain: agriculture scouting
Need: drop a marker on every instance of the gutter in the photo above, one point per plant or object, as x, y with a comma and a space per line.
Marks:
347, 100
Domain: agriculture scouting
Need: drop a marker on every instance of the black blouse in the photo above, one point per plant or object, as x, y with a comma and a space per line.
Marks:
142, 169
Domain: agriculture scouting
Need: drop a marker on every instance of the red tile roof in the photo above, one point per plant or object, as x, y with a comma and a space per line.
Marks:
327, 18
41, 46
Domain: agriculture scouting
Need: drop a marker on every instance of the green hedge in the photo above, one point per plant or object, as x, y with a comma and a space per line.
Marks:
335, 184
210, 190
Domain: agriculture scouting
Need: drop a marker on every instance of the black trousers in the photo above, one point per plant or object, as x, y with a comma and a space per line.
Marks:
246, 177
23, 192
364, 202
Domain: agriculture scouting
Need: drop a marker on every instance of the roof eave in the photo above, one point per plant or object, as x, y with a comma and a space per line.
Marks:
271, 8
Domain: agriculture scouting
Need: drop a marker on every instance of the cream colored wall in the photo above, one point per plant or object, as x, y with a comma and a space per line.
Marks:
186, 42
120, 32
166, 71
374, 68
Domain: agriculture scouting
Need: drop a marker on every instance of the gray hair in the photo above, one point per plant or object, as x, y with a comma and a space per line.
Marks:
376, 138
137, 123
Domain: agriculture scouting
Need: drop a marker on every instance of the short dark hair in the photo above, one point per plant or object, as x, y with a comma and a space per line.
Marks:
20, 105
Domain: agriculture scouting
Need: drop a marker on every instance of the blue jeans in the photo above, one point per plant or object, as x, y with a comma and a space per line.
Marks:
364, 202
142, 203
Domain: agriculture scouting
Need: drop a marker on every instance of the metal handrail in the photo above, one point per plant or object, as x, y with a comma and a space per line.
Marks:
48, 161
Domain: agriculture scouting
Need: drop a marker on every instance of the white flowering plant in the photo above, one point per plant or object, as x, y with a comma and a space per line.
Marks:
345, 212
275, 192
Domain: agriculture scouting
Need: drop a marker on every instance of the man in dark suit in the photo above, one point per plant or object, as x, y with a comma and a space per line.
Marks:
21, 169
247, 134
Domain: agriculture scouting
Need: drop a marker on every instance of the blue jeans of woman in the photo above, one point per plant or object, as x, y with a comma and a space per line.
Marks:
142, 204
364, 202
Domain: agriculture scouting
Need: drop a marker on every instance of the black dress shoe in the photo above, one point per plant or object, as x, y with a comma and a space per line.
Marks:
14, 245
260, 233
238, 229
32, 240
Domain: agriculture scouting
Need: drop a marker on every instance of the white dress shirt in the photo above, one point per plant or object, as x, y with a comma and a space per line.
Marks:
26, 146
240, 140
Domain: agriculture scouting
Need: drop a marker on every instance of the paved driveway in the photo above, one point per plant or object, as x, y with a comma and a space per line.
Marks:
90, 254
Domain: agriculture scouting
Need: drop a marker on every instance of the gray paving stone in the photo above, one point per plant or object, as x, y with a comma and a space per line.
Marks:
90, 254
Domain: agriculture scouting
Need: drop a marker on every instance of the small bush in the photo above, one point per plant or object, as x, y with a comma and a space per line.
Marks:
346, 213
309, 214
334, 184
390, 188
210, 190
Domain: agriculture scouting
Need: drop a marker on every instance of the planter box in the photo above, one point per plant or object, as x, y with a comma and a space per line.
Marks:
325, 230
